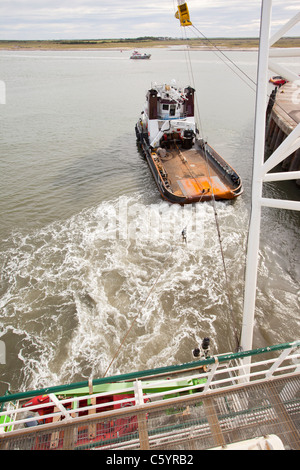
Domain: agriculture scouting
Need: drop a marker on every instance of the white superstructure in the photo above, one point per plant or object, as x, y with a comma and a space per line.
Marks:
169, 109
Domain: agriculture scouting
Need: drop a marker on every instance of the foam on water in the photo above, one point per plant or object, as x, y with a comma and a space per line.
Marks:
71, 291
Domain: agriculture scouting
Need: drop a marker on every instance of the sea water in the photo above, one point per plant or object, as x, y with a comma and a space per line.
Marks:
90, 251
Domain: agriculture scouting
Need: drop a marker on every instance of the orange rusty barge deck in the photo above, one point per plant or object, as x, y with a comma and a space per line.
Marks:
191, 175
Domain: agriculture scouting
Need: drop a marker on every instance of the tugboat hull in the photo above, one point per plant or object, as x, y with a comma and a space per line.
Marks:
185, 176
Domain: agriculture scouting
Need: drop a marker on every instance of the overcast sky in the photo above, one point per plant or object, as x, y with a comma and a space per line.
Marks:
93, 19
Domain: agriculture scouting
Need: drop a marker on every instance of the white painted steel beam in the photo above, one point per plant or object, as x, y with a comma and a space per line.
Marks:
285, 52
261, 168
290, 144
289, 25
281, 204
288, 175
59, 405
259, 150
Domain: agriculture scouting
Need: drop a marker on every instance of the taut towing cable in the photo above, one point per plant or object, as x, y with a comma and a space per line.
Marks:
183, 15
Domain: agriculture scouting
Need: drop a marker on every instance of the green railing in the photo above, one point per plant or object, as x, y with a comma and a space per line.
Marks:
161, 371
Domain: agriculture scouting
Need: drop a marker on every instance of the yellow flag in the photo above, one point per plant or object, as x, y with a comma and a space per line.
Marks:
183, 13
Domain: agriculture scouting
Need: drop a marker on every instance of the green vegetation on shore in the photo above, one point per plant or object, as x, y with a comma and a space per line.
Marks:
143, 42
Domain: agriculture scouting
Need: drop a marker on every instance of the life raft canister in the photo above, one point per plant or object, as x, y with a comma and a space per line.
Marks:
37, 401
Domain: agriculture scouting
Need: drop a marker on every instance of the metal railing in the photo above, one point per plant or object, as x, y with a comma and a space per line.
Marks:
120, 413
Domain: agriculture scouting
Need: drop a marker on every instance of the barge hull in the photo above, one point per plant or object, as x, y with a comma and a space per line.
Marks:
186, 176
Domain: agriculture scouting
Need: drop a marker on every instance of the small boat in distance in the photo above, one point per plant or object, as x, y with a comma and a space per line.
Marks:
137, 55
186, 169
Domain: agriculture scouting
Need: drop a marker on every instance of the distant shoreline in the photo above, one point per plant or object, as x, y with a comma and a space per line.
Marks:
125, 45
124, 49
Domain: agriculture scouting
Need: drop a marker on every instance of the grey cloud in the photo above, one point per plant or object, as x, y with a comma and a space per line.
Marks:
68, 19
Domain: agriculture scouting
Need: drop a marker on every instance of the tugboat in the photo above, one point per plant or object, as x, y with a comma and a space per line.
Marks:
137, 55
185, 168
